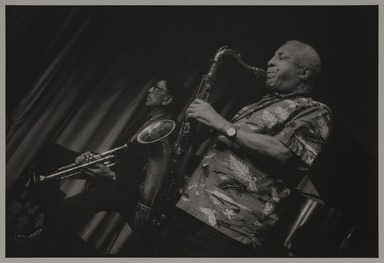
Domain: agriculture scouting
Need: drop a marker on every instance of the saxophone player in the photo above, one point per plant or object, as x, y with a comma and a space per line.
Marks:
228, 207
119, 191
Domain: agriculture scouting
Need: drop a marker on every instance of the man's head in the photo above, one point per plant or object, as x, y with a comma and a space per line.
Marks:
164, 93
158, 95
295, 66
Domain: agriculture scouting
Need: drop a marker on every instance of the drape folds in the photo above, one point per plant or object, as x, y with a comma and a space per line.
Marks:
41, 105
93, 86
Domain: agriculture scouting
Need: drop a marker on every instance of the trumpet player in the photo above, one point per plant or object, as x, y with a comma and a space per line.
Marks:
119, 188
229, 205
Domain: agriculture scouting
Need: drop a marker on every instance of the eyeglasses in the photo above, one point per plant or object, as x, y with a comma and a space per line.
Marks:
154, 88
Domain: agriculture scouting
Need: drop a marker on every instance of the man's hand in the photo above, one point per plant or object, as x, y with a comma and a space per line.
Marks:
96, 170
204, 113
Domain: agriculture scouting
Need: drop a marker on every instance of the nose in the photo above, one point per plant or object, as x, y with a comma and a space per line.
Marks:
151, 90
271, 63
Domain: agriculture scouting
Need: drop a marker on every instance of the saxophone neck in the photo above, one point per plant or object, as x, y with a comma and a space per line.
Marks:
226, 51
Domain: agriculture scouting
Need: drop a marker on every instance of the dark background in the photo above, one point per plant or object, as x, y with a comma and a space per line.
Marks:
180, 39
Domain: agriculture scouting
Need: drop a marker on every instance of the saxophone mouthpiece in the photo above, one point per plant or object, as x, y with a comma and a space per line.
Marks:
258, 72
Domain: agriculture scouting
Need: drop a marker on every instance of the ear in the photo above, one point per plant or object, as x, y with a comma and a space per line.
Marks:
305, 73
167, 100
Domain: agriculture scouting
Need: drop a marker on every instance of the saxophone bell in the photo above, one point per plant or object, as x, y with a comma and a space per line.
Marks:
156, 131
155, 136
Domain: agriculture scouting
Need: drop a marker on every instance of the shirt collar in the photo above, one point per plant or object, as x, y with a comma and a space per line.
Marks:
288, 95
153, 116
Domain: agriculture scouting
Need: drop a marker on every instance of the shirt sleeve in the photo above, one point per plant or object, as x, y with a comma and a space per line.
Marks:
306, 134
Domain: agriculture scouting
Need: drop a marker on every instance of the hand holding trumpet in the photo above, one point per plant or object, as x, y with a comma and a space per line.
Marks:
97, 169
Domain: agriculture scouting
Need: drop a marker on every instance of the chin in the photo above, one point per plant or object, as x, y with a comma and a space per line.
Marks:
269, 88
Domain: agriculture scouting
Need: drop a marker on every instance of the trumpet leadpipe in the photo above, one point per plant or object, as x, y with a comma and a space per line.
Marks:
73, 170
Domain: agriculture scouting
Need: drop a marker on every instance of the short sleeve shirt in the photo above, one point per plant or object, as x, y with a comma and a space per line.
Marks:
237, 193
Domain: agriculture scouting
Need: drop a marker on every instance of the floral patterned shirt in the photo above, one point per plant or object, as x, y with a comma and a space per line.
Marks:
236, 193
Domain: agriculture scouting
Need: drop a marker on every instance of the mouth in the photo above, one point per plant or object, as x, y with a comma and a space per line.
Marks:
270, 74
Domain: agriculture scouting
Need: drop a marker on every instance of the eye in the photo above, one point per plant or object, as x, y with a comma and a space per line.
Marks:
282, 55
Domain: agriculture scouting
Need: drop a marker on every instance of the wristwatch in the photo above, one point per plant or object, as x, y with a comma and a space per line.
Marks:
231, 132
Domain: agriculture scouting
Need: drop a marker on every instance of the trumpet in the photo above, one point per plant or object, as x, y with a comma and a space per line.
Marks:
153, 133
76, 168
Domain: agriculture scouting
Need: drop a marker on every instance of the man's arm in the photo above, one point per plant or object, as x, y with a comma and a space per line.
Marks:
260, 145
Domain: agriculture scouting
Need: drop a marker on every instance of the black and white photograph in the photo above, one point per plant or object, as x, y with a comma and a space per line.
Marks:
191, 131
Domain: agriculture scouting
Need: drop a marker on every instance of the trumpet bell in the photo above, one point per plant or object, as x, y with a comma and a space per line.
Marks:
156, 131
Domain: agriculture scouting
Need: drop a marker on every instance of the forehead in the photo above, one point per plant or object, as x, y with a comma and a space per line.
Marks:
288, 48
161, 84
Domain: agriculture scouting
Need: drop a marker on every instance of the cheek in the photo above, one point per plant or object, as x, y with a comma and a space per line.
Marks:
283, 78
288, 72
272, 82
150, 101
155, 101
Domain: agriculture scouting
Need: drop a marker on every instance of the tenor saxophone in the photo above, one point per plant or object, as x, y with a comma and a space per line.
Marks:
171, 188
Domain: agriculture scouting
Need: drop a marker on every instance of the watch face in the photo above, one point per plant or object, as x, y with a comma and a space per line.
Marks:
231, 131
